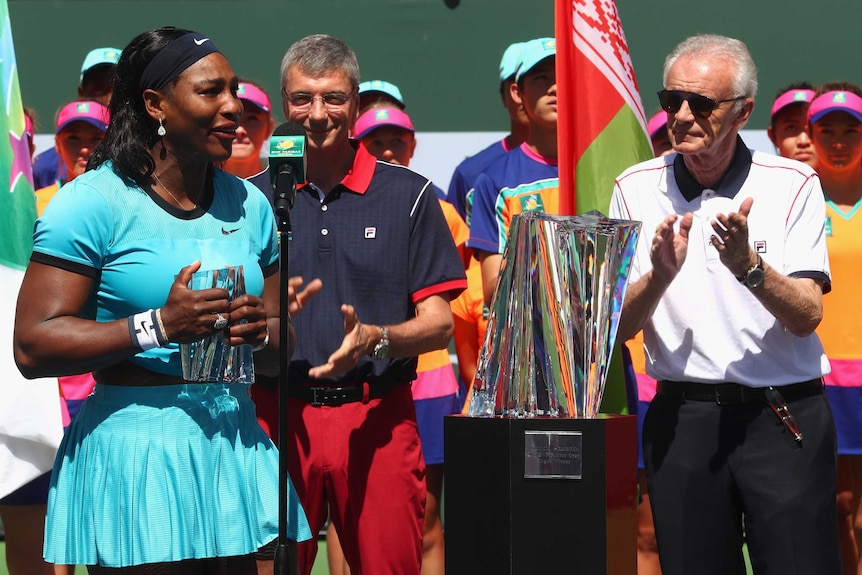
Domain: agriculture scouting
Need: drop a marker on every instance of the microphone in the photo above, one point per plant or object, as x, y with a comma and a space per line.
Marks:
286, 164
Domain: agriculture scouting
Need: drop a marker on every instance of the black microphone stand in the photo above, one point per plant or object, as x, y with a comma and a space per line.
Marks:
283, 203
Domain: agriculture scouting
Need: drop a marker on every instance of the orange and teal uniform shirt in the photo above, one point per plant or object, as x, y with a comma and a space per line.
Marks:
520, 181
840, 330
435, 389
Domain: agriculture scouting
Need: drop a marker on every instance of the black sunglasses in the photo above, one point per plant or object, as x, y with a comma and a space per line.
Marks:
701, 106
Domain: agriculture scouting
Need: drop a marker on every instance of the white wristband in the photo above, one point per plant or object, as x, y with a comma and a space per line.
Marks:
144, 330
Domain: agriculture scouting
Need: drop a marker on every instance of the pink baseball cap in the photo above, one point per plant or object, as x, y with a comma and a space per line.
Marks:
838, 101
28, 125
377, 117
254, 95
791, 97
91, 112
656, 123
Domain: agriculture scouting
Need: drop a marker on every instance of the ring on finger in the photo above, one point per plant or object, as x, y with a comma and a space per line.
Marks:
220, 322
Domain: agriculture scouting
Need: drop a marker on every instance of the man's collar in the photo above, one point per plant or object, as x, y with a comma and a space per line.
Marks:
359, 177
731, 182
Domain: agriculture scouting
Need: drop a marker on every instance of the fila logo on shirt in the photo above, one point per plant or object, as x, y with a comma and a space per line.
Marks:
370, 233
759, 247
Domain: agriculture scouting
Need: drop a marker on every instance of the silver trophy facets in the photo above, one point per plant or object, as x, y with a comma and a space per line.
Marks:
554, 316
211, 359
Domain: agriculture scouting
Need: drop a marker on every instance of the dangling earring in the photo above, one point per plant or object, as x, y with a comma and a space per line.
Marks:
161, 131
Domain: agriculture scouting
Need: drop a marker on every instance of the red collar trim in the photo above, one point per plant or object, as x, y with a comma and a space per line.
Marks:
359, 177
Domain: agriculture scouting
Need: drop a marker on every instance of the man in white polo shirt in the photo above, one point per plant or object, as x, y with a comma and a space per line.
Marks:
739, 438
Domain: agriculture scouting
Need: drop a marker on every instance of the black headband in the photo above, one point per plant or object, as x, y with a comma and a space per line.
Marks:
174, 58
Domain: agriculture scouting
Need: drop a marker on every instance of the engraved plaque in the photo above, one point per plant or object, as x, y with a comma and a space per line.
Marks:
553, 454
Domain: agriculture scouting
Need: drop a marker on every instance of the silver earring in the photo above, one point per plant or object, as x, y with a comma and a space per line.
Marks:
161, 131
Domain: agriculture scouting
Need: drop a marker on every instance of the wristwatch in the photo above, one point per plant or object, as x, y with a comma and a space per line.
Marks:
754, 276
381, 348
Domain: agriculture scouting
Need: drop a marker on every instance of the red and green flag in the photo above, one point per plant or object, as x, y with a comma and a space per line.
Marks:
601, 122
601, 127
30, 420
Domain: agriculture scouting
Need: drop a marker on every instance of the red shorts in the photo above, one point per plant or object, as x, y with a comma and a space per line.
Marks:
362, 464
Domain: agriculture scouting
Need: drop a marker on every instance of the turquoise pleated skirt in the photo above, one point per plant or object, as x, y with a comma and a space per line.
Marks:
165, 473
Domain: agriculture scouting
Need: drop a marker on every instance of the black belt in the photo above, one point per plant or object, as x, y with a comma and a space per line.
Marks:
334, 396
734, 393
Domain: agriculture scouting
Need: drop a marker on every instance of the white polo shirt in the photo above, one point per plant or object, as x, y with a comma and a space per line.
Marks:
708, 327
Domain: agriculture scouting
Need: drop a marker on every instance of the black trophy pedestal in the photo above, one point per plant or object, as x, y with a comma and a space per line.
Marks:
540, 496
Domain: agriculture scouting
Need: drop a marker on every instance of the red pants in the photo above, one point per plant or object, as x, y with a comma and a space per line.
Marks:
362, 464
266, 406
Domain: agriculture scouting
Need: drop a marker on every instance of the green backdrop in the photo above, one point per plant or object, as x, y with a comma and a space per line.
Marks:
444, 59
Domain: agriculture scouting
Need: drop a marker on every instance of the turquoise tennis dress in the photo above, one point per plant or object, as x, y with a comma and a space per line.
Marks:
160, 473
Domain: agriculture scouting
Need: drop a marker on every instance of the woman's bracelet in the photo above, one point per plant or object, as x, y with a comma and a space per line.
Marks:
264, 343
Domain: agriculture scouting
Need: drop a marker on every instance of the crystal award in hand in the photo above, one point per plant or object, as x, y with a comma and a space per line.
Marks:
211, 359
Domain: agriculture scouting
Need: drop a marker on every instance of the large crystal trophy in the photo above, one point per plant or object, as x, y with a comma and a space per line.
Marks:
541, 482
554, 316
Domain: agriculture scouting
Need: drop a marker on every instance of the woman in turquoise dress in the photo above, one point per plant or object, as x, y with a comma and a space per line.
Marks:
157, 474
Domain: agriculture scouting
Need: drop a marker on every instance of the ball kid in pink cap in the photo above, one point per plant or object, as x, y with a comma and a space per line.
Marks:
81, 126
377, 117
254, 94
788, 124
87, 111
789, 97
835, 101
255, 126
387, 134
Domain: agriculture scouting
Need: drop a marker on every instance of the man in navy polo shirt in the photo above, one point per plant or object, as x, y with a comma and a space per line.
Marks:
375, 235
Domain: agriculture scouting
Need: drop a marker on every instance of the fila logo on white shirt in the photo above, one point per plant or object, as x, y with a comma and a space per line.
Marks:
370, 233
760, 247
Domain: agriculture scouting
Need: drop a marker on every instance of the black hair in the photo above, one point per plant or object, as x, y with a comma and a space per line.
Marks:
794, 86
838, 87
31, 113
132, 132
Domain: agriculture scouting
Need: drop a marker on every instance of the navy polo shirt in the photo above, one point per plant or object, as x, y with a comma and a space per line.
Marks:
379, 242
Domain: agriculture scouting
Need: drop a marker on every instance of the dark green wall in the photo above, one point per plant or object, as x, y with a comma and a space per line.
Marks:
790, 40
443, 59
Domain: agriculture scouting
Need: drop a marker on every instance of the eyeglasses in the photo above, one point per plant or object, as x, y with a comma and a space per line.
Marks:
701, 106
332, 102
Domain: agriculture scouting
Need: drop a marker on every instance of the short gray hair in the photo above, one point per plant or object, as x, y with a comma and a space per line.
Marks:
721, 47
319, 55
